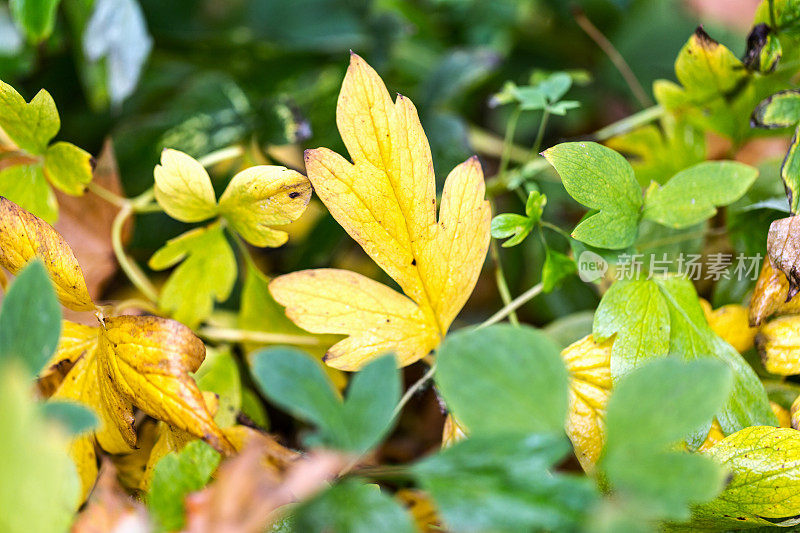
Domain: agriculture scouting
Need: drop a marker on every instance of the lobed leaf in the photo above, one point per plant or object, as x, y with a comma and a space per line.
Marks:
601, 179
30, 125
207, 273
386, 201
183, 188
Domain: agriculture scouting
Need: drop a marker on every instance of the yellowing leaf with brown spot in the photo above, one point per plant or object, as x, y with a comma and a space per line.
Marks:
386, 201
264, 196
129, 362
149, 360
24, 236
589, 366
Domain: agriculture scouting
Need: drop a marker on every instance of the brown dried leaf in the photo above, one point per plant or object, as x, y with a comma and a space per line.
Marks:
111, 509
246, 494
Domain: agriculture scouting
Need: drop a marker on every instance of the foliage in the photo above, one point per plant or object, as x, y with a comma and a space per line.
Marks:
249, 368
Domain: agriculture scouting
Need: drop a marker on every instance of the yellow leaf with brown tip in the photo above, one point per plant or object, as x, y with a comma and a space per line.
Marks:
386, 200
24, 236
589, 366
778, 342
769, 296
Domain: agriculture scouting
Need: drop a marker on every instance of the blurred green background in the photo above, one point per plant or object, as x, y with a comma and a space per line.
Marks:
200, 75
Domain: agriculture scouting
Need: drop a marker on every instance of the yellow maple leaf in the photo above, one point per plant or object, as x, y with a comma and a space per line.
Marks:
386, 201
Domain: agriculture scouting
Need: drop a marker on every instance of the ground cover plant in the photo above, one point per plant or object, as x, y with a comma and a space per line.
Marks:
307, 302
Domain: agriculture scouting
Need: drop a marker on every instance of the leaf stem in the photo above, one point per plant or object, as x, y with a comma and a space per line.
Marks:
412, 390
223, 154
515, 304
640, 118
216, 334
508, 141
537, 145
500, 280
131, 269
616, 58
107, 195
486, 142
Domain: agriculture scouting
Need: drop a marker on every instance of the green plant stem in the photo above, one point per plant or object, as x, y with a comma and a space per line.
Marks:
772, 22
645, 116
131, 269
515, 304
215, 334
223, 154
412, 390
508, 141
488, 143
107, 195
500, 279
548, 225
537, 145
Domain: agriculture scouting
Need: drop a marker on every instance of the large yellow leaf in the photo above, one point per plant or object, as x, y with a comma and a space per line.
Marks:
589, 366
24, 236
386, 201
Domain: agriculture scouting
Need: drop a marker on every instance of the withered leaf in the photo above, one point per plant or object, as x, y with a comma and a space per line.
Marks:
770, 296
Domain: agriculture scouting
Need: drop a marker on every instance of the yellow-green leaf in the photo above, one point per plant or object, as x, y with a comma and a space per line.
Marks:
24, 236
68, 167
264, 196
29, 125
764, 465
207, 273
386, 201
26, 186
183, 187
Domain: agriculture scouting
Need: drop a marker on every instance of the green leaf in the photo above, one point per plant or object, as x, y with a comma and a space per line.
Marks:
297, 383
557, 266
764, 487
74, 417
26, 186
219, 374
638, 459
790, 173
691, 195
68, 167
636, 312
511, 224
601, 179
351, 507
555, 86
206, 274
498, 483
781, 110
692, 338
39, 486
503, 379
29, 125
176, 475
642, 313
30, 319
35, 17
